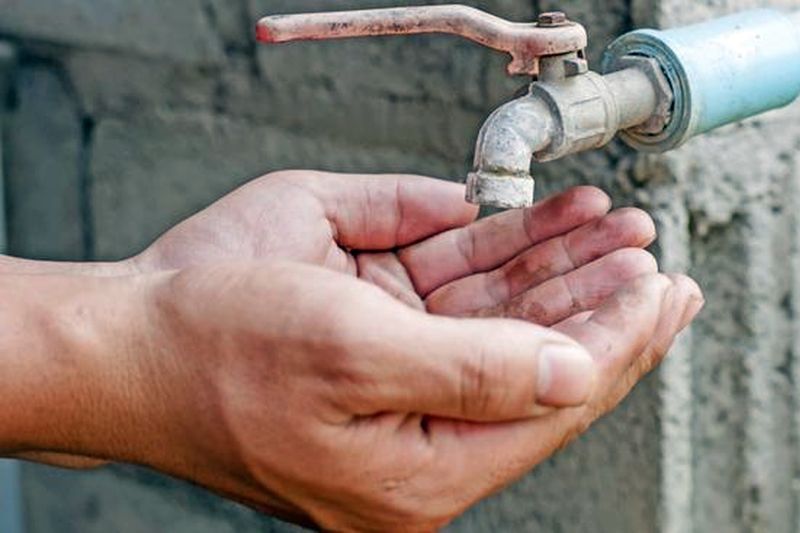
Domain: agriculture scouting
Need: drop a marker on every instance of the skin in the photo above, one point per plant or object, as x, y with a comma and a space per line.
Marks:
354, 352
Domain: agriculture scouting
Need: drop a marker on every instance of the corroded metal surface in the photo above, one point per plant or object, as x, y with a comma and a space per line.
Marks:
525, 42
566, 111
504, 192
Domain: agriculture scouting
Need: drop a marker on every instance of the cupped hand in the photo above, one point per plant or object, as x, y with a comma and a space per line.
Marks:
318, 397
351, 374
417, 239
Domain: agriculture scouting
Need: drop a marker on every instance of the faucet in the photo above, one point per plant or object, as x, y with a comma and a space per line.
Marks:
657, 89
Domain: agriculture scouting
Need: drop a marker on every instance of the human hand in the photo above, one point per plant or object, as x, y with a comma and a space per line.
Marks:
415, 238
626, 337
561, 258
317, 397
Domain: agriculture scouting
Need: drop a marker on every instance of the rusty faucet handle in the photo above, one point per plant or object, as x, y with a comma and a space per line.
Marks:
552, 35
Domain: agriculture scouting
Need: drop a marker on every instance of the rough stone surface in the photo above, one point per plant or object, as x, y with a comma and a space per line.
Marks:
177, 31
130, 115
44, 158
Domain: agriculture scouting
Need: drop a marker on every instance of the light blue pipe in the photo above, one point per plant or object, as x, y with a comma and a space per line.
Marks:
720, 71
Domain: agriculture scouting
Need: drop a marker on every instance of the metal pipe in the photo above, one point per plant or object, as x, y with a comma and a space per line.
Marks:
635, 96
720, 71
568, 110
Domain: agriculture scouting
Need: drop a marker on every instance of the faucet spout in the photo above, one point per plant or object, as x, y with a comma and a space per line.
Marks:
505, 148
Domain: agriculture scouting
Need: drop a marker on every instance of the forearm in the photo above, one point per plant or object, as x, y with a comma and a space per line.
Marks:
67, 370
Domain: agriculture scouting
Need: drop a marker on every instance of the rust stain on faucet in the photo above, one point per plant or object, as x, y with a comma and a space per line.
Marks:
525, 42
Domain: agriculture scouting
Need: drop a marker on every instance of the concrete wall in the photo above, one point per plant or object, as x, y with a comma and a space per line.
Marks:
127, 115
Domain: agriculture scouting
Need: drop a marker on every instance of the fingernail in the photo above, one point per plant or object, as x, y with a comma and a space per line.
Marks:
566, 375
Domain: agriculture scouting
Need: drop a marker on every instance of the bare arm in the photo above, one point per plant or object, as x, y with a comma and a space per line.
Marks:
58, 354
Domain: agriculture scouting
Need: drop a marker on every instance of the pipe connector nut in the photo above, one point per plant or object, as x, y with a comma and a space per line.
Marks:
664, 96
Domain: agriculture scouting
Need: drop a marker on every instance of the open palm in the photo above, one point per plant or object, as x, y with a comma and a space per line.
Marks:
568, 262
417, 239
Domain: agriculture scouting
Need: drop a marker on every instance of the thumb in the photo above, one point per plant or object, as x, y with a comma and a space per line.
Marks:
481, 370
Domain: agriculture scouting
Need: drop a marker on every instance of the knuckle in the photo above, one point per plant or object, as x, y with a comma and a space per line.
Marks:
635, 262
633, 218
338, 346
341, 363
582, 197
586, 193
468, 246
480, 374
643, 289
662, 280
612, 225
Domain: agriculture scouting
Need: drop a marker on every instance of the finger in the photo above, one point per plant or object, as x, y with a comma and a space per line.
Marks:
581, 290
687, 296
479, 370
381, 212
653, 307
385, 271
491, 242
624, 228
680, 306
618, 333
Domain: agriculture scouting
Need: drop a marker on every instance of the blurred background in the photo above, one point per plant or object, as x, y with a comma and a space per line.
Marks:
121, 117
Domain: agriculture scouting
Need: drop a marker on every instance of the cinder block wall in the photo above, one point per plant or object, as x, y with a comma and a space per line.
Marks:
127, 115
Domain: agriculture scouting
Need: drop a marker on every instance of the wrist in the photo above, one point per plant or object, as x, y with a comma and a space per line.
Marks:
69, 379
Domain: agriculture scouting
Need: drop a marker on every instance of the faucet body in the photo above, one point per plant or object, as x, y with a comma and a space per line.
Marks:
657, 88
568, 110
